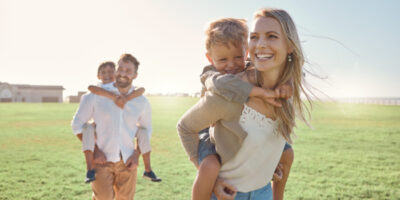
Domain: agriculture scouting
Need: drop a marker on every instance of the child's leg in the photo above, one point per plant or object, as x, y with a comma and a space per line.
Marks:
89, 159
146, 161
143, 141
208, 169
206, 177
286, 160
88, 143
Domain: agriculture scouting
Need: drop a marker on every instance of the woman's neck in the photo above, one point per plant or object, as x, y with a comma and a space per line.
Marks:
269, 79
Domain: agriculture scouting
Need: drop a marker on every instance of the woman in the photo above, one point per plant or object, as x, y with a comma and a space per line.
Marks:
249, 138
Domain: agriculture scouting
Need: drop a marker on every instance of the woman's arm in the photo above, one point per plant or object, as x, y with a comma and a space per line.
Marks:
205, 112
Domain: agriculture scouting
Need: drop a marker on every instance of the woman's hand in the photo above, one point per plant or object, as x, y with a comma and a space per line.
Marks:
278, 174
223, 190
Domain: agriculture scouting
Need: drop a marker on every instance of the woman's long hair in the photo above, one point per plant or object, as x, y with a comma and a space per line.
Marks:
291, 73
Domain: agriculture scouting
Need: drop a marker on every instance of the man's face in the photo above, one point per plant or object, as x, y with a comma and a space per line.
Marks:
106, 74
125, 74
227, 59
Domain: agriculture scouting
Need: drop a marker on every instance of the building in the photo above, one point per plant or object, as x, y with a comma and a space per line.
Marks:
75, 98
30, 93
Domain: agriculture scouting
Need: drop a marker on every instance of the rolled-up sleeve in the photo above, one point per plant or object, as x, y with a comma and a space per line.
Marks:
144, 122
205, 112
229, 86
83, 114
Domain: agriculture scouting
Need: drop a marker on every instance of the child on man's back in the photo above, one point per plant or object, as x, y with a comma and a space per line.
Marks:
105, 73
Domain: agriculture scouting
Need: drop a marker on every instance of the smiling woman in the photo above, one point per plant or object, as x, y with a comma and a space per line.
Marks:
249, 137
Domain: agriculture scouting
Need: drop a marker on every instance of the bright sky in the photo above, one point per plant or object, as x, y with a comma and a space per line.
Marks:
63, 42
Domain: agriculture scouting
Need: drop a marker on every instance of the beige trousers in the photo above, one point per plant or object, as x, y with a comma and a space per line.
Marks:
114, 180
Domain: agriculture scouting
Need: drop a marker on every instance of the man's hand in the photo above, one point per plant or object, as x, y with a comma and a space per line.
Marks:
98, 156
120, 101
223, 190
278, 174
133, 161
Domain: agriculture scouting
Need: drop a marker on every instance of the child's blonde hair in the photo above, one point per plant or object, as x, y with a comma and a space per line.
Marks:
226, 31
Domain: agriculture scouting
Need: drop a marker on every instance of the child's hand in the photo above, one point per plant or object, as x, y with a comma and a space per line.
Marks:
284, 91
270, 97
278, 174
224, 190
120, 102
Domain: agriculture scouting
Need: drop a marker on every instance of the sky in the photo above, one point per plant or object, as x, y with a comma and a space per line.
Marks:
352, 45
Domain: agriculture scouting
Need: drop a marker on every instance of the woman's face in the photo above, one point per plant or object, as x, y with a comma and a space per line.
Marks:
268, 47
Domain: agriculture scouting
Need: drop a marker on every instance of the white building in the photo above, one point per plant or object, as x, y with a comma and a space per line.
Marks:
30, 93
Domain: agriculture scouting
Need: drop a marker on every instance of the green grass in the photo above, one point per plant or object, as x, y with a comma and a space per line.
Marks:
352, 152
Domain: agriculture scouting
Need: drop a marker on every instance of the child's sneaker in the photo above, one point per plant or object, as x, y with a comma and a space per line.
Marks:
90, 176
151, 176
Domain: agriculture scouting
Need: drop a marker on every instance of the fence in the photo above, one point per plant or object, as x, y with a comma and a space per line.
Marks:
381, 101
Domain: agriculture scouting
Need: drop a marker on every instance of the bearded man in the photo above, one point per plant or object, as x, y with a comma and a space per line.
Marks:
116, 129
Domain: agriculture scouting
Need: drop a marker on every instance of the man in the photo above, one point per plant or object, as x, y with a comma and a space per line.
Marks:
116, 129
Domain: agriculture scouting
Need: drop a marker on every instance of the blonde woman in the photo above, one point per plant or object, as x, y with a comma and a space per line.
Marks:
249, 137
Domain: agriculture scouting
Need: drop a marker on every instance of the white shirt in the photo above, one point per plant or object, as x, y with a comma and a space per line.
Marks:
254, 164
115, 128
108, 86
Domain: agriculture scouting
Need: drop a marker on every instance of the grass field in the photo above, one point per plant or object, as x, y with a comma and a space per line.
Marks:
352, 152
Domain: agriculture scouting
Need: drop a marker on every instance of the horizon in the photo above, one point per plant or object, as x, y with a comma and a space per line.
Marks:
177, 93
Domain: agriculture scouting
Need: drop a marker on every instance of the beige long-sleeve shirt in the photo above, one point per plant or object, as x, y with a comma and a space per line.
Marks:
227, 134
229, 86
225, 104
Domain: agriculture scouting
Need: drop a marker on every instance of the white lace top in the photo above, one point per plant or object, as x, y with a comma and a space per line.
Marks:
254, 164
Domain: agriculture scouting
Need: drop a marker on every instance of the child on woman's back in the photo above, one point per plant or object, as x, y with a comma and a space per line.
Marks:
226, 44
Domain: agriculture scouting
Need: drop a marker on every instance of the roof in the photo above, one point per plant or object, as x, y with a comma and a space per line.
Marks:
39, 87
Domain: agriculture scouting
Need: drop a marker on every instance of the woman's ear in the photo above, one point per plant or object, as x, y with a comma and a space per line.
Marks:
290, 49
